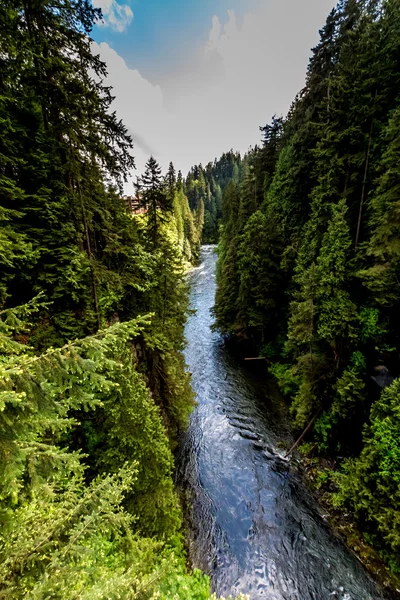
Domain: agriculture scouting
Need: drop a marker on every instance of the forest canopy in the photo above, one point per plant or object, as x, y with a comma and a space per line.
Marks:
308, 268
94, 389
93, 301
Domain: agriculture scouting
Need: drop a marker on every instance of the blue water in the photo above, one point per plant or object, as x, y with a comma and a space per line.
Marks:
253, 525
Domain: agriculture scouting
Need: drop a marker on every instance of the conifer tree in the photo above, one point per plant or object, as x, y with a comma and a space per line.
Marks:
92, 396
258, 264
248, 195
67, 151
179, 180
383, 246
269, 154
308, 269
154, 197
369, 484
227, 272
171, 179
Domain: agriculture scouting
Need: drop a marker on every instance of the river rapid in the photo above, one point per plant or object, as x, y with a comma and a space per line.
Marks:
252, 524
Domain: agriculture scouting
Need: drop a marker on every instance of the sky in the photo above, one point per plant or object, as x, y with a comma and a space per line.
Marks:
194, 78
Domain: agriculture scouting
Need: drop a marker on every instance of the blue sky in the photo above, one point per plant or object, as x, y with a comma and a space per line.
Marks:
164, 34
195, 78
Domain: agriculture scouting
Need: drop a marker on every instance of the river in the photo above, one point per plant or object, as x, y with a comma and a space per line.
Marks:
252, 526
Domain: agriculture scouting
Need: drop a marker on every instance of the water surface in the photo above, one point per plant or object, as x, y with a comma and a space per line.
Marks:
253, 525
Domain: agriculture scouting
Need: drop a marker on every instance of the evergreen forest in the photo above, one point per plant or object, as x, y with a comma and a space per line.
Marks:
309, 261
94, 298
93, 387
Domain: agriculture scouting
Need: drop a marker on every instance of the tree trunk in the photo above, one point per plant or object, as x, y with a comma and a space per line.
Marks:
89, 253
364, 184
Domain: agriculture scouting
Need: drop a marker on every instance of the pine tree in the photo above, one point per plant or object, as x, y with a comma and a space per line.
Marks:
369, 484
248, 196
323, 321
270, 151
171, 179
154, 197
308, 256
258, 264
227, 273
337, 313
73, 142
179, 180
383, 247
91, 395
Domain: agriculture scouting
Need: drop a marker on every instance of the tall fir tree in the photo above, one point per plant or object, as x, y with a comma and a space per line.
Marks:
154, 197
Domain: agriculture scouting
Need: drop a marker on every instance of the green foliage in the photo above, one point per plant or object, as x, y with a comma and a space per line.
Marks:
53, 521
92, 394
188, 232
314, 259
155, 197
322, 477
369, 324
367, 483
205, 188
258, 264
128, 426
75, 540
287, 381
227, 272
379, 273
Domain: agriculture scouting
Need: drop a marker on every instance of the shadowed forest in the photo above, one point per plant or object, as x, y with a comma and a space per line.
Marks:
309, 257
94, 391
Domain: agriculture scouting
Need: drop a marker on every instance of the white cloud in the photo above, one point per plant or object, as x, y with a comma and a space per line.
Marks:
140, 105
116, 16
238, 80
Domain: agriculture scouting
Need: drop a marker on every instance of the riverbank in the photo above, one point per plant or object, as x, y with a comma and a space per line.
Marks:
253, 525
318, 474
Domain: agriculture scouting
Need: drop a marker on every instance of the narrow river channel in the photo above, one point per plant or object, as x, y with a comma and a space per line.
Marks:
253, 526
